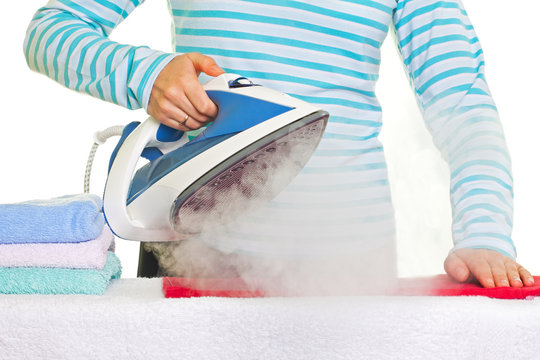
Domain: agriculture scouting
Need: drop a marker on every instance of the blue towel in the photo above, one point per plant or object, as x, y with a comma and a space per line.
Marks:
67, 219
38, 280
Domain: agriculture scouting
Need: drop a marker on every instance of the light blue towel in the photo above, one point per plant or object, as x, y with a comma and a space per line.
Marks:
71, 218
59, 281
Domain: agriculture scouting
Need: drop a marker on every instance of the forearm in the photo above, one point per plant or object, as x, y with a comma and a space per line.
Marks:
468, 132
69, 43
481, 183
445, 62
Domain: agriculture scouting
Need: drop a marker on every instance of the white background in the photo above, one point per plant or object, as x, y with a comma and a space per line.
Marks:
47, 130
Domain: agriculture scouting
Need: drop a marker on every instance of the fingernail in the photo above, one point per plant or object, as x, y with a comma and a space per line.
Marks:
461, 273
505, 283
516, 279
490, 283
531, 280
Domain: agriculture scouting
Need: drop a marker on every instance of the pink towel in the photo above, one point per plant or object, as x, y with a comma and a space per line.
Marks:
90, 254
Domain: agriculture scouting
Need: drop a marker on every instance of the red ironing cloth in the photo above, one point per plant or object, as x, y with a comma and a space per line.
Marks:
175, 287
439, 285
443, 285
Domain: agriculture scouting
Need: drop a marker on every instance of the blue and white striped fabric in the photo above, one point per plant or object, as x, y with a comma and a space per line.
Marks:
326, 52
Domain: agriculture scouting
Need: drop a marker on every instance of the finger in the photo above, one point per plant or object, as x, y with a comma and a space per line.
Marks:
513, 274
456, 268
482, 272
205, 64
183, 118
180, 105
183, 126
197, 96
173, 124
187, 124
195, 102
190, 124
526, 276
201, 103
499, 273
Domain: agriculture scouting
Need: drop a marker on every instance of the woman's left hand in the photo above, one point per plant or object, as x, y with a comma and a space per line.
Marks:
489, 267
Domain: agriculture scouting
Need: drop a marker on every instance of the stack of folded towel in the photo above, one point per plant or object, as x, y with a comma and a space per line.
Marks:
56, 246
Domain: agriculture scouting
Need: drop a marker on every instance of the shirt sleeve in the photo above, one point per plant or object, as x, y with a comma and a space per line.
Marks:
445, 63
67, 40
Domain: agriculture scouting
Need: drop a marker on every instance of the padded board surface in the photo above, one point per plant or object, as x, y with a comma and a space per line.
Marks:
439, 285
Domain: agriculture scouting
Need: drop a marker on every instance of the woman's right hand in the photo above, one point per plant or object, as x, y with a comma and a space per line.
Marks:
177, 99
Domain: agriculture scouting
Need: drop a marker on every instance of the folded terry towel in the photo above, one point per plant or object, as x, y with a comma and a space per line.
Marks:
83, 255
71, 218
35, 280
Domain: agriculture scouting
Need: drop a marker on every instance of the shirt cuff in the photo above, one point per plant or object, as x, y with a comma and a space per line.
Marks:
490, 243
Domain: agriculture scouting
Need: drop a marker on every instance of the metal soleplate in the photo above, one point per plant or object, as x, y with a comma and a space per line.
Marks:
248, 178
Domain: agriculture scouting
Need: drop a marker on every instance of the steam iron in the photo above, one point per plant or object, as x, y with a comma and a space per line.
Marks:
258, 143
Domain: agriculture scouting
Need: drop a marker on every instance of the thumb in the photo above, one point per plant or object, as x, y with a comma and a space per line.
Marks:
456, 268
205, 64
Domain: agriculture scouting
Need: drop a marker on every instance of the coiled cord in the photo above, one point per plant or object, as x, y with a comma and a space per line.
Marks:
99, 138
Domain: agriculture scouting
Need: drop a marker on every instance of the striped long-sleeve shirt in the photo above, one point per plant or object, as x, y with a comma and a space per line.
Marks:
326, 52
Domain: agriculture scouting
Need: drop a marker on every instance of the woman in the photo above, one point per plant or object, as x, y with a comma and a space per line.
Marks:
327, 53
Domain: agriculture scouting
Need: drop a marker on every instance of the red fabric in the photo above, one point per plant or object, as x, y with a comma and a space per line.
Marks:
186, 287
443, 285
439, 285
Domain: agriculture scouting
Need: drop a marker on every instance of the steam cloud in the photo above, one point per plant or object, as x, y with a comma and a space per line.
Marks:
284, 261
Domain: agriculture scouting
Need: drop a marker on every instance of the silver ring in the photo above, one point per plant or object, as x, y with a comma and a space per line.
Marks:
183, 123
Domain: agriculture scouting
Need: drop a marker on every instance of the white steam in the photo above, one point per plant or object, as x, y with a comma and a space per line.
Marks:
289, 254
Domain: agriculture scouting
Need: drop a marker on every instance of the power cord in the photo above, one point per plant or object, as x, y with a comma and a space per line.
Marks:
99, 139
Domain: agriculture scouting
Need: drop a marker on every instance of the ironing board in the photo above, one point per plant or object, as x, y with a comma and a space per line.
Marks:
133, 320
